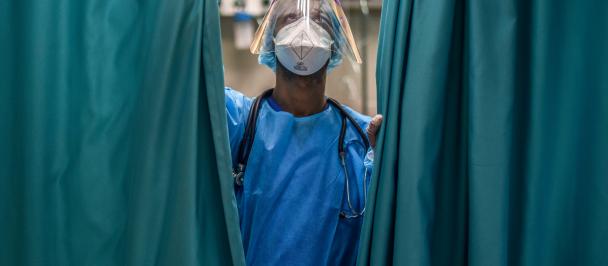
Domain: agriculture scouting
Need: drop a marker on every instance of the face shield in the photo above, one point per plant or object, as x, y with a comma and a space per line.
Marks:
305, 34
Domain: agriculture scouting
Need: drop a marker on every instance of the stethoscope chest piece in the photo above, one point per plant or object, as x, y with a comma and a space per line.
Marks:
238, 173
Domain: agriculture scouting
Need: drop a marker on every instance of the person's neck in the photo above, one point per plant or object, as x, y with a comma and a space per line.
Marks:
300, 96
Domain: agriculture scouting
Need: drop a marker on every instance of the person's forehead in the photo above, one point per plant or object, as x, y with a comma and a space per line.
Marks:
301, 2
290, 10
302, 6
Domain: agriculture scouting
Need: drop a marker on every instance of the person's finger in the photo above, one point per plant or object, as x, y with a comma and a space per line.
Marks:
372, 129
374, 124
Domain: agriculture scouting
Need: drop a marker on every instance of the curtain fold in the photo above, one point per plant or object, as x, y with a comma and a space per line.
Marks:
113, 142
494, 147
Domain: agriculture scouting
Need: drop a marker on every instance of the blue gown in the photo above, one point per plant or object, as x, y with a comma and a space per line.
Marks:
294, 188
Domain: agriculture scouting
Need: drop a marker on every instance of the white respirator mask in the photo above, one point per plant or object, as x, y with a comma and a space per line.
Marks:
303, 48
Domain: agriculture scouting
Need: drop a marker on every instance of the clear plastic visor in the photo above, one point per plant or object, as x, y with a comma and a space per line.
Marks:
327, 14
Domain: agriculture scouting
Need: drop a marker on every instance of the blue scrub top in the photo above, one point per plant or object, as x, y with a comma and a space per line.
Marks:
294, 188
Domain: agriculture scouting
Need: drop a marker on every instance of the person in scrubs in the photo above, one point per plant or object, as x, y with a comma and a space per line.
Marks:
302, 162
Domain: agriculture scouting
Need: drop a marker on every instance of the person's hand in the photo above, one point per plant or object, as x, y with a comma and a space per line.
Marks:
372, 129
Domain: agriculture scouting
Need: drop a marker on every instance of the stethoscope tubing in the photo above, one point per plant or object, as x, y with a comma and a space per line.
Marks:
249, 135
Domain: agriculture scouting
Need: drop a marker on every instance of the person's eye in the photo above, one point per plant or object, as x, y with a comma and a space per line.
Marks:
291, 18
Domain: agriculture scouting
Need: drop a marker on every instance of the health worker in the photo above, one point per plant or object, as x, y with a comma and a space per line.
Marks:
302, 162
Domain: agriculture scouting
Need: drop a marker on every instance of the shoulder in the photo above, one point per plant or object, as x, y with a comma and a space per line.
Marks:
237, 110
236, 100
362, 120
237, 105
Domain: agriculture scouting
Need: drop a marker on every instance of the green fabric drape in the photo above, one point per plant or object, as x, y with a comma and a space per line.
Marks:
495, 141
113, 142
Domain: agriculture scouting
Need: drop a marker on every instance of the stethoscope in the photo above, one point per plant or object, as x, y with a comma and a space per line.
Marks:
246, 144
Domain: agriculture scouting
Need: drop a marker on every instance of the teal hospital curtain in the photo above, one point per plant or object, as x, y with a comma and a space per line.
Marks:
494, 148
113, 142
